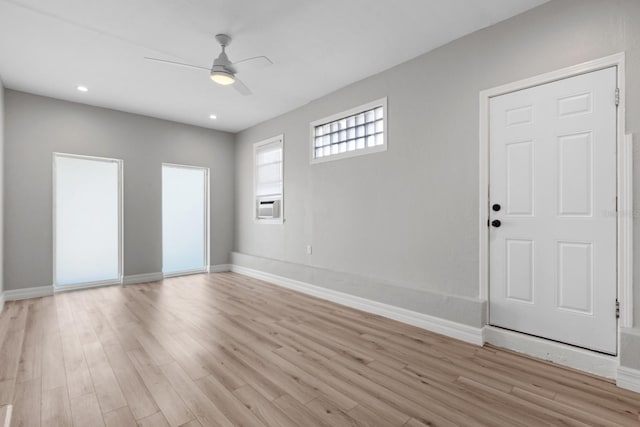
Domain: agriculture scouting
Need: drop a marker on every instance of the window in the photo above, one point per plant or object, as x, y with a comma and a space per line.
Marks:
87, 212
185, 219
268, 180
360, 130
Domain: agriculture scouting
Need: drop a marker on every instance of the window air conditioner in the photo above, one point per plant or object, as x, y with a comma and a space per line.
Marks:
268, 209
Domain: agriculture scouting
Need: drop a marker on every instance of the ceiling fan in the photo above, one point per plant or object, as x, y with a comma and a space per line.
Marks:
223, 71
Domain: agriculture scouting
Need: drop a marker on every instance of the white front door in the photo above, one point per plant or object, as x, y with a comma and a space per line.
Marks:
553, 211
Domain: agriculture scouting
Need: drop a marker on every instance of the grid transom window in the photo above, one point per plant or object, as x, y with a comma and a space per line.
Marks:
353, 132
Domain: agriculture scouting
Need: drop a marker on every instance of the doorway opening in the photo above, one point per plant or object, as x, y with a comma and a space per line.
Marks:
185, 219
575, 150
87, 217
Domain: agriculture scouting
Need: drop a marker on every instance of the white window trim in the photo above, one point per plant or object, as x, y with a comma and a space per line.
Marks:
382, 102
118, 281
207, 221
256, 146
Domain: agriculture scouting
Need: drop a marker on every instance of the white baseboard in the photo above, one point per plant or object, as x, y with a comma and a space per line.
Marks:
562, 354
219, 268
142, 278
90, 285
26, 293
43, 291
628, 378
434, 324
1, 301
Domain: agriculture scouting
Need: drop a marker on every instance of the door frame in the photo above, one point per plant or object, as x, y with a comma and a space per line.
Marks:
624, 180
97, 284
207, 221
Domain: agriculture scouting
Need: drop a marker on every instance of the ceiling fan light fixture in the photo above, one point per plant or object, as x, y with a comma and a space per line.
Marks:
222, 77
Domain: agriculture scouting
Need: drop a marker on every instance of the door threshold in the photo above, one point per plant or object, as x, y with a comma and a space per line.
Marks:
99, 284
604, 353
582, 359
183, 273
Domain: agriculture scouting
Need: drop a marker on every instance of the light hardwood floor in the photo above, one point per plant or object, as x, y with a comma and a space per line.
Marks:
223, 349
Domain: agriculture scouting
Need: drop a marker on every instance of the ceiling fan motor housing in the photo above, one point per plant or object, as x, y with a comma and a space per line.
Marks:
222, 64
222, 71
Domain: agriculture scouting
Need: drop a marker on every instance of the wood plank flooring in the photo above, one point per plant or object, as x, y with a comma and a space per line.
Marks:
227, 350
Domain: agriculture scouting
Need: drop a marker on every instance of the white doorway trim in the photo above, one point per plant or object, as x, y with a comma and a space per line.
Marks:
207, 222
624, 179
88, 285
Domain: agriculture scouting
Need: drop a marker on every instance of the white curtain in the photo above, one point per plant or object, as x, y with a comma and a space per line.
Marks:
269, 169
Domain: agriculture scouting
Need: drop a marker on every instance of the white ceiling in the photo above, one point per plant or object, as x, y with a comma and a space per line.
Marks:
49, 47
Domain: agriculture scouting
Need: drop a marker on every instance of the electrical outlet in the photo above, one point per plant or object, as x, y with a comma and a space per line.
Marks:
309, 249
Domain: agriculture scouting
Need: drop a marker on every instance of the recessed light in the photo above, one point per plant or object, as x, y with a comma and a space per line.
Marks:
213, 116
82, 89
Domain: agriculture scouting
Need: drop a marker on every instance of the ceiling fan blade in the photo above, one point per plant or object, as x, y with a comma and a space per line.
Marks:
180, 64
252, 63
241, 87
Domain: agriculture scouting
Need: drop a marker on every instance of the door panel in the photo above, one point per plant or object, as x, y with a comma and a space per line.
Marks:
519, 276
575, 172
553, 172
519, 177
575, 276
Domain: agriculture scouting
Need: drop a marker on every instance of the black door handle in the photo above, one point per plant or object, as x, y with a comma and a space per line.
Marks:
496, 223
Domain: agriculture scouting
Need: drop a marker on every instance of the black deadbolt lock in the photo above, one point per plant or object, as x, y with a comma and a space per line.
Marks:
496, 207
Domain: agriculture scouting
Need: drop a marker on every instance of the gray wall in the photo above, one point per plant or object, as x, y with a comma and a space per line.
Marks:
408, 217
630, 348
37, 126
